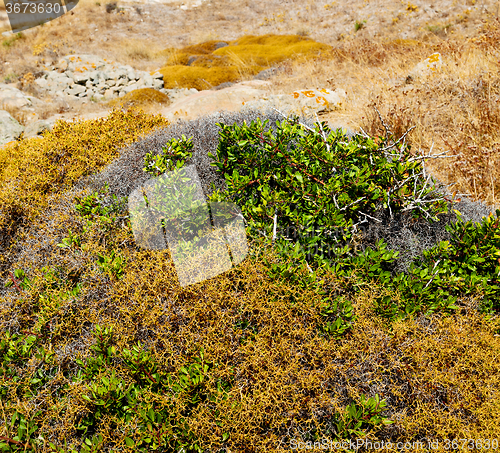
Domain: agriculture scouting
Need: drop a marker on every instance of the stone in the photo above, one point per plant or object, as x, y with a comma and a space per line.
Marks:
223, 85
76, 90
208, 101
157, 75
319, 100
221, 44
62, 64
267, 73
80, 77
192, 59
12, 97
10, 129
130, 88
141, 83
108, 94
42, 83
36, 128
429, 66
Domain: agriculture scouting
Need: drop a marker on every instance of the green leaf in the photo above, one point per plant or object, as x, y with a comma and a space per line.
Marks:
129, 442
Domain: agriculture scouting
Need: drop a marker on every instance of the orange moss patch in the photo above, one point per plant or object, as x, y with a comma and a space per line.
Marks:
197, 77
141, 97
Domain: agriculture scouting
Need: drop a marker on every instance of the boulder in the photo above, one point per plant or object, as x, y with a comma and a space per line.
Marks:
76, 90
12, 97
36, 128
267, 73
429, 66
80, 77
306, 102
208, 101
10, 129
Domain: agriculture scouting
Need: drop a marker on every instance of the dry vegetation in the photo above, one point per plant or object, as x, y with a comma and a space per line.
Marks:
439, 374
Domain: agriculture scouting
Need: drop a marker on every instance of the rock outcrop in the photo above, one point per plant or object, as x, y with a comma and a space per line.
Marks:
89, 76
10, 129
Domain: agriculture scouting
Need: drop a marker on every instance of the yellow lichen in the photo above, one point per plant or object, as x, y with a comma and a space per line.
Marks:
141, 97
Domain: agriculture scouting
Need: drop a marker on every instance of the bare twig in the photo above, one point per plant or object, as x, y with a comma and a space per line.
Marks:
274, 227
401, 138
434, 156
386, 127
364, 134
377, 220
429, 282
354, 202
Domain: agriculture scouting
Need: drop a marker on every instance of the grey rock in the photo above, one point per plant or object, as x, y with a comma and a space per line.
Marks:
223, 85
221, 44
80, 77
76, 90
108, 94
141, 83
36, 128
42, 83
129, 88
10, 129
267, 73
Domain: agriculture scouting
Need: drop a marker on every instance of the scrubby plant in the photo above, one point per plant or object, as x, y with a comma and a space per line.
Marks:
67, 153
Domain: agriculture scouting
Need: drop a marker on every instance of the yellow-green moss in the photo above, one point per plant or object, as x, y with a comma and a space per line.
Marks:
242, 58
197, 77
141, 97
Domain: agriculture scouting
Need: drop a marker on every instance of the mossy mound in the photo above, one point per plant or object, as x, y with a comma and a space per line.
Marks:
141, 97
198, 77
36, 168
198, 66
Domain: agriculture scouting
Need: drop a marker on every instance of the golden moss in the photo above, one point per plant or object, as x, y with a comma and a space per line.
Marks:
197, 77
33, 169
245, 57
141, 97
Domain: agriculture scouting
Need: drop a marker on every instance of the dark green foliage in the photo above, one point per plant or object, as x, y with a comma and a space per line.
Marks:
320, 185
174, 155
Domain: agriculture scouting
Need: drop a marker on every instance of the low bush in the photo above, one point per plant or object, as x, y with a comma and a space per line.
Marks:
315, 336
